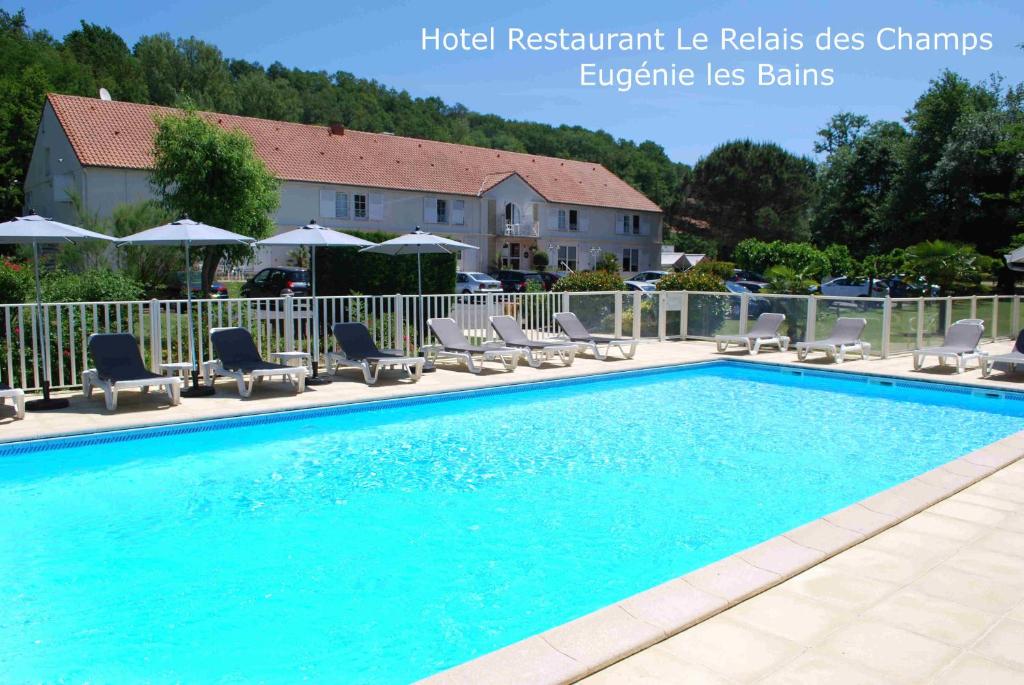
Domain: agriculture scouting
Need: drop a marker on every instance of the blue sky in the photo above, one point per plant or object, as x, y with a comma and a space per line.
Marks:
381, 40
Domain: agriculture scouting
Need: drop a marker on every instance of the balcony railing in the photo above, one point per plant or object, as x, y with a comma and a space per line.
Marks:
523, 230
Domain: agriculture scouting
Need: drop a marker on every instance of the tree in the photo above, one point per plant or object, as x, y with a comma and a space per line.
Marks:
214, 176
608, 262
955, 268
842, 130
746, 189
108, 59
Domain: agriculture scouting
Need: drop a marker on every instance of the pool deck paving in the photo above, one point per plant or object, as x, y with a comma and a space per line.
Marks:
920, 583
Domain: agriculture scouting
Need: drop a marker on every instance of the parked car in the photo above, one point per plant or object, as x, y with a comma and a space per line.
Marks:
755, 305
515, 281
217, 291
649, 276
470, 282
843, 286
275, 280
642, 286
752, 286
901, 287
549, 279
744, 275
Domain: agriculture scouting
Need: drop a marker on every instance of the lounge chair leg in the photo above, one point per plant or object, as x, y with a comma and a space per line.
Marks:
368, 376
174, 394
110, 397
19, 406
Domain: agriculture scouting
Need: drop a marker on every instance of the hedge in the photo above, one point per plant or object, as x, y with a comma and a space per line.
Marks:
346, 270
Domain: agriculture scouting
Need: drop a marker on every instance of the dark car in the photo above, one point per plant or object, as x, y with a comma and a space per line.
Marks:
755, 305
277, 280
549, 279
218, 291
745, 275
515, 281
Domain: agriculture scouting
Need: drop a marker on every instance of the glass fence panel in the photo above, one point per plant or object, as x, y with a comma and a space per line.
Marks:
903, 329
711, 314
830, 310
1004, 318
596, 311
648, 315
794, 308
673, 313
933, 323
962, 308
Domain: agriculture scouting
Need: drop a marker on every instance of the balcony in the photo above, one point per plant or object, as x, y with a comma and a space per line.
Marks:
519, 230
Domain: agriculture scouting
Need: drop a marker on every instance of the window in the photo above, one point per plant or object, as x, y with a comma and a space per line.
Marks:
341, 205
442, 211
566, 257
636, 224
574, 220
458, 212
630, 259
562, 224
359, 206
631, 224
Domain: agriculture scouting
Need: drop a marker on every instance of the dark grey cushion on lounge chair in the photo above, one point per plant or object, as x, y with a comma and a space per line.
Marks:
451, 337
577, 332
509, 331
236, 351
117, 357
357, 344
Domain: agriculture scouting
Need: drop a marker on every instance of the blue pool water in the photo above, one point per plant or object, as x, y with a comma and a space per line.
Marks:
384, 545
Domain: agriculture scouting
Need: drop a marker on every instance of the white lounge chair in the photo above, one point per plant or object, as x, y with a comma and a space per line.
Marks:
576, 332
1007, 363
455, 346
960, 343
537, 352
842, 340
359, 351
119, 366
16, 395
764, 332
238, 358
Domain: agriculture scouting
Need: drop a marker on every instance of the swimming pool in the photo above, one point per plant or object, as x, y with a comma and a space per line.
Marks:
387, 541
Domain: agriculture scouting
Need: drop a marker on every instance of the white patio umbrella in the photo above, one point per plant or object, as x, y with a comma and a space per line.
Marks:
419, 242
189, 233
313, 235
36, 230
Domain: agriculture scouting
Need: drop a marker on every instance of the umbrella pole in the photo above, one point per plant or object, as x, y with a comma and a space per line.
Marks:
427, 366
315, 379
195, 390
43, 336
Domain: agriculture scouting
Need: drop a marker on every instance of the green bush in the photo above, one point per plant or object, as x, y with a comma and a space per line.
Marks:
96, 285
756, 255
589, 281
344, 270
722, 270
608, 262
694, 279
540, 260
15, 283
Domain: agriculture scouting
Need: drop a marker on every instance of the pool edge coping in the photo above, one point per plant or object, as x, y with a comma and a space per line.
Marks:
574, 650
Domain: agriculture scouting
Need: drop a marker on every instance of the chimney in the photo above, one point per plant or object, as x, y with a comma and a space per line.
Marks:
336, 128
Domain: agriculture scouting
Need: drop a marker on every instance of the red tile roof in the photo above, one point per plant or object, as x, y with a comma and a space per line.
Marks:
120, 134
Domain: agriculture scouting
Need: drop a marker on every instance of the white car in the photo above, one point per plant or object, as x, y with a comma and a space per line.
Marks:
649, 276
853, 287
643, 286
470, 282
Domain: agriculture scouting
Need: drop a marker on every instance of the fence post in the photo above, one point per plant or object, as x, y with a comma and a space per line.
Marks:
637, 315
744, 312
995, 318
618, 314
289, 323
399, 332
812, 317
949, 311
974, 309
1015, 315
920, 320
156, 344
488, 333
886, 327
565, 303
662, 315
684, 315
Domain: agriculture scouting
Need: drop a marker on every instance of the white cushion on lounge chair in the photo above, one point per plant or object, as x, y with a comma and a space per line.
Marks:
843, 339
960, 343
764, 332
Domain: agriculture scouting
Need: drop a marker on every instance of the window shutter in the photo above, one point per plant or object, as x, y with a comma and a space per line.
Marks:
459, 212
553, 218
377, 207
327, 203
430, 210
583, 220
341, 205
620, 228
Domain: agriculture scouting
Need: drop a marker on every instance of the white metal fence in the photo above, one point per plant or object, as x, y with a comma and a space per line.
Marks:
895, 326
